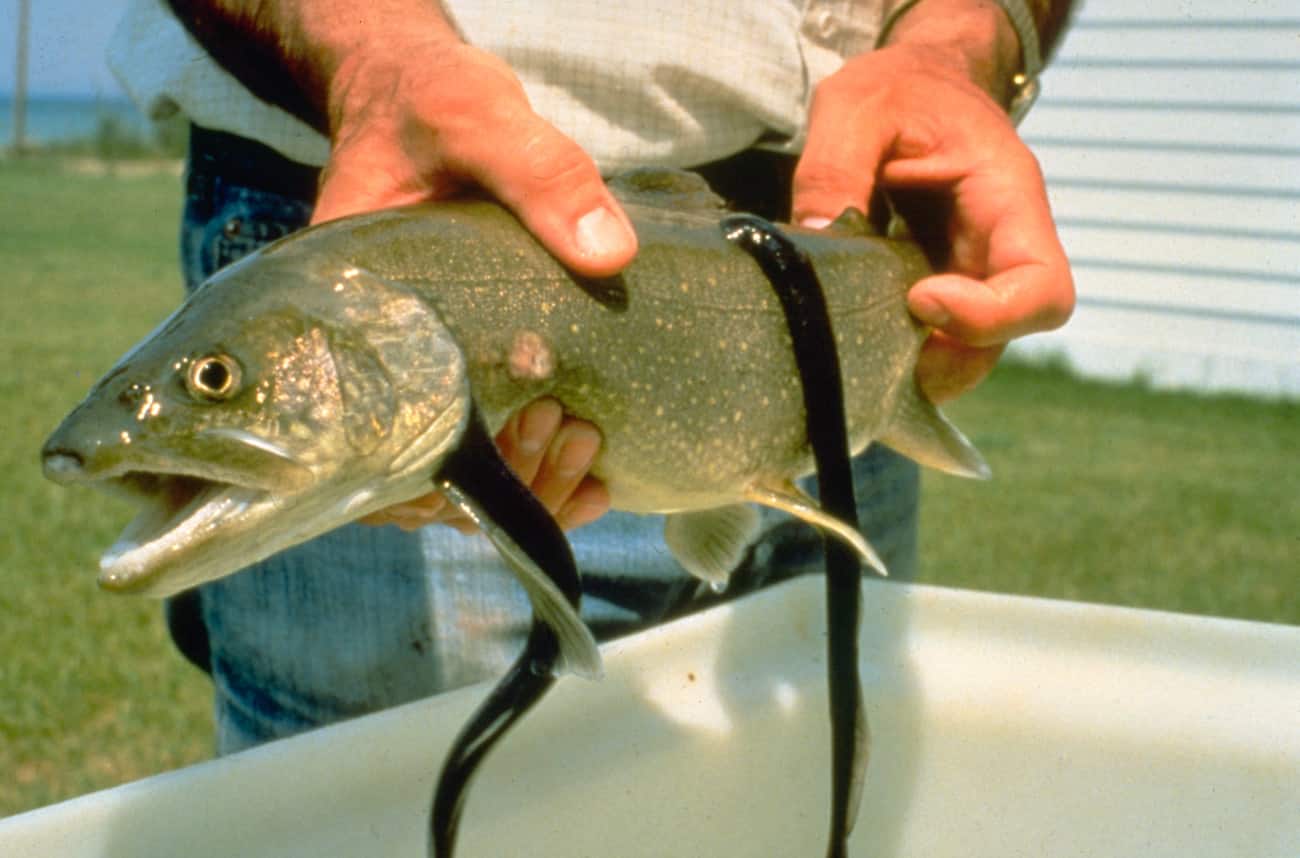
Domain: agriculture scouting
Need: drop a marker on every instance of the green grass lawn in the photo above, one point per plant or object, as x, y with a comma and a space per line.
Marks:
1101, 493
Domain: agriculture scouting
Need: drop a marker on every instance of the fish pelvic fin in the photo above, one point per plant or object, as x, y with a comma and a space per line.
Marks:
710, 543
921, 432
579, 652
789, 498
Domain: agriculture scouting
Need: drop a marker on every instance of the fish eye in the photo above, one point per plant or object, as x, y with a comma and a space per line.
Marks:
213, 378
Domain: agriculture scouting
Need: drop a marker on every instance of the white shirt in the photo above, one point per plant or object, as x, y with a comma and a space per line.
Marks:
634, 82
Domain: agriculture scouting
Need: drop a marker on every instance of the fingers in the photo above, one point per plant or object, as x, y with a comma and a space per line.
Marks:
550, 184
414, 514
558, 194
837, 169
548, 452
947, 367
553, 454
900, 119
524, 440
425, 126
1012, 276
1025, 300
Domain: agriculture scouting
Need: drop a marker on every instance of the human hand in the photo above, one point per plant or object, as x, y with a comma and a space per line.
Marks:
427, 118
419, 118
548, 452
910, 116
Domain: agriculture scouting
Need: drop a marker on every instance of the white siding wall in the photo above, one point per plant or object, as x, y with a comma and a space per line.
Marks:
1169, 132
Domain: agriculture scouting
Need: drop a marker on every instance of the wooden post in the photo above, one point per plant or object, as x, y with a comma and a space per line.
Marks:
20, 78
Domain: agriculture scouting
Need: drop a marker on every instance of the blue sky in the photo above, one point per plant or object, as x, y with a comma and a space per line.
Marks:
66, 49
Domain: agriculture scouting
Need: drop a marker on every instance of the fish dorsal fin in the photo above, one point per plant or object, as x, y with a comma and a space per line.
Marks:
920, 432
710, 543
788, 497
662, 187
852, 223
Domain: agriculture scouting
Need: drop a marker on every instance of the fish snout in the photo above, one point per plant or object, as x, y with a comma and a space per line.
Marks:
62, 465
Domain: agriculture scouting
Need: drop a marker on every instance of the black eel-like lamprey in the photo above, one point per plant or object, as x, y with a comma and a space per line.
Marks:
478, 473
804, 304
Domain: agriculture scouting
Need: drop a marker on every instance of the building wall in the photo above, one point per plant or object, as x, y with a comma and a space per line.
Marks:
1169, 132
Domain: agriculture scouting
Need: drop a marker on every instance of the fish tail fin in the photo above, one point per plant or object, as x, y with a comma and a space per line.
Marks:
921, 432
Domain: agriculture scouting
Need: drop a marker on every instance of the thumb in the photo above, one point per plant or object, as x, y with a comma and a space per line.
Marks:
556, 191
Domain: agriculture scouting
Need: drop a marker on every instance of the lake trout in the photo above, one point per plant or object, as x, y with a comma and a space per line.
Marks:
332, 373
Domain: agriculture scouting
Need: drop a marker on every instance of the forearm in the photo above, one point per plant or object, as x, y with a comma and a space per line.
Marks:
294, 53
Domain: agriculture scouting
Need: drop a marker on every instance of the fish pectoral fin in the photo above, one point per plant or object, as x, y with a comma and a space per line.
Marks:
788, 497
710, 543
920, 432
579, 652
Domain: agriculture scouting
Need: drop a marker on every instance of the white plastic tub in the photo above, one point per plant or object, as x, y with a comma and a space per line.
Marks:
1001, 727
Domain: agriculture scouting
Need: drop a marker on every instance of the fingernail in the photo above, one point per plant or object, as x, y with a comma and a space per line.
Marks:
577, 449
929, 311
575, 514
815, 222
602, 233
537, 423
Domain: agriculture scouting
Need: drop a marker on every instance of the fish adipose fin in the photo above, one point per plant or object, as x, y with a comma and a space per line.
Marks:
920, 432
789, 498
710, 543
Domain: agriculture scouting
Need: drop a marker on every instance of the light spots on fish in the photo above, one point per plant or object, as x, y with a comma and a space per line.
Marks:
149, 405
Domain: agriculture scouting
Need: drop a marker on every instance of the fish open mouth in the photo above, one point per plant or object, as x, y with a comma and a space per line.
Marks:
177, 511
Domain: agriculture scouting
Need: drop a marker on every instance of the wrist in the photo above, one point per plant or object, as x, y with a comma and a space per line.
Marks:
974, 38
294, 53
337, 54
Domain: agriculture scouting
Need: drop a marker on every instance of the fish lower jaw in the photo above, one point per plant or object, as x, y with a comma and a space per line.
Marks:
151, 555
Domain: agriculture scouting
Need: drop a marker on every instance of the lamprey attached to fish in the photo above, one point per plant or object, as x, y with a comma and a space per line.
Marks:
804, 302
342, 369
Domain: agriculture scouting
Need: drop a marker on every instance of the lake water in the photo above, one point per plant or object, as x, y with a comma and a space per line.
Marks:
61, 118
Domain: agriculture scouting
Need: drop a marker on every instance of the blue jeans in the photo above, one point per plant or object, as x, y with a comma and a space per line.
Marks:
365, 618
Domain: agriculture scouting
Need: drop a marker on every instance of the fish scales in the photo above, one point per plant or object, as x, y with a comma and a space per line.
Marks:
347, 356
695, 375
